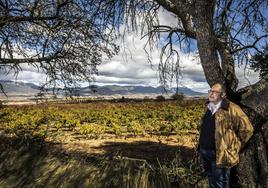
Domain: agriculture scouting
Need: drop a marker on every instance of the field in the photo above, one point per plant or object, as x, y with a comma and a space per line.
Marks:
101, 144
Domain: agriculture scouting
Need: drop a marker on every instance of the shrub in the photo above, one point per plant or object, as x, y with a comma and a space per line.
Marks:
178, 96
146, 98
160, 98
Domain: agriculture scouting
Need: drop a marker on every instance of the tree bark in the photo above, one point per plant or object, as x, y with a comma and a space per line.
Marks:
228, 66
203, 20
252, 171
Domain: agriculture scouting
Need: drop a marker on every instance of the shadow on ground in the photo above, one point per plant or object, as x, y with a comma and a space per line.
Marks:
32, 163
152, 152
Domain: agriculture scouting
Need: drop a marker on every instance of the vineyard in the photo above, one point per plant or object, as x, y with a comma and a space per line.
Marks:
96, 120
147, 132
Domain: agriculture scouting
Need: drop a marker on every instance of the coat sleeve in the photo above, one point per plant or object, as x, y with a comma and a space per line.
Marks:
245, 128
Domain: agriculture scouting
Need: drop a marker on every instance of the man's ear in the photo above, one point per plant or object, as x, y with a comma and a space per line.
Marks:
223, 95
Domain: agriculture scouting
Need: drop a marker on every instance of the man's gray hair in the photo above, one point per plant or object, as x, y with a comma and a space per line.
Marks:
223, 88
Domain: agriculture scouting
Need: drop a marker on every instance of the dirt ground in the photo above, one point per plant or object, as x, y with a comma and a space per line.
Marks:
150, 148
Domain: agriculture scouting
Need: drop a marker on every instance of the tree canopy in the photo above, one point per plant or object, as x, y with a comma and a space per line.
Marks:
66, 39
63, 39
260, 62
227, 33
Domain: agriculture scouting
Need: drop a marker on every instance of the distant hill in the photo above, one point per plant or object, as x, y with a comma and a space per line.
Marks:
19, 88
132, 90
23, 89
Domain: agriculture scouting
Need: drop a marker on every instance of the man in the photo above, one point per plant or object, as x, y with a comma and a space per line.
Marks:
225, 128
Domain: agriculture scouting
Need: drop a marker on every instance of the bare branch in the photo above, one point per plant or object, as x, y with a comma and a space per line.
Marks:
4, 61
253, 45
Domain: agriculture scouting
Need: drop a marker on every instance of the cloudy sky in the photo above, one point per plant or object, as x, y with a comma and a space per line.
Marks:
131, 67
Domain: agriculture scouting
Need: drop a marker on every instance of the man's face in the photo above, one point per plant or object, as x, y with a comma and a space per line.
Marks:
214, 94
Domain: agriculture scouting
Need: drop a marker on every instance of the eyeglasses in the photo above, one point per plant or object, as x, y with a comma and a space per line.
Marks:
213, 91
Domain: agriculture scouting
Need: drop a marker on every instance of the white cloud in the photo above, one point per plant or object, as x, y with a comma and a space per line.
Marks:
131, 67
246, 76
26, 75
167, 18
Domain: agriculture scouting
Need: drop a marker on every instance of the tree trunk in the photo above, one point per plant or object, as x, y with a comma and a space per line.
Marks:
228, 67
252, 171
203, 20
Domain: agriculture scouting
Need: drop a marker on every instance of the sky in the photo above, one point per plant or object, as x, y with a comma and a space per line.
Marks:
131, 67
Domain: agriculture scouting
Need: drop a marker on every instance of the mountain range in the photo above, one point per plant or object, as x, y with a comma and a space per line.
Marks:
29, 89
